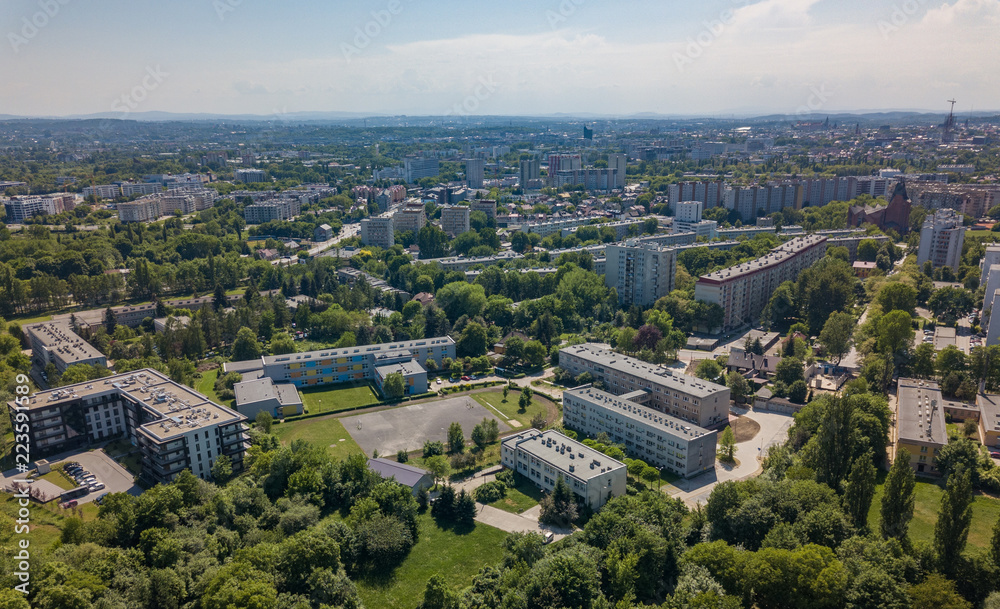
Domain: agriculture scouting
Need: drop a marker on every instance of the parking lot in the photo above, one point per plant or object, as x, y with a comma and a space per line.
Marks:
116, 479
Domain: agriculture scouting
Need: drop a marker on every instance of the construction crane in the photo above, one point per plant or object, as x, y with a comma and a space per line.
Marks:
949, 125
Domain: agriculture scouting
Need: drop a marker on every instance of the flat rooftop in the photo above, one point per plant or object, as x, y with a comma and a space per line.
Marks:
691, 385
777, 256
564, 453
60, 338
258, 390
921, 412
407, 368
634, 411
177, 409
383, 348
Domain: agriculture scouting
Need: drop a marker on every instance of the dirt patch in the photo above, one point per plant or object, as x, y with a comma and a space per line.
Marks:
745, 429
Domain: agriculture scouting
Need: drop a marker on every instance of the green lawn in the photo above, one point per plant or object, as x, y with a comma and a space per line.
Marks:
455, 556
336, 398
985, 512
509, 408
58, 478
206, 386
324, 432
523, 496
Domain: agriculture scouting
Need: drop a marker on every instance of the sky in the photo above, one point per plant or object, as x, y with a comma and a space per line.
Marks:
515, 57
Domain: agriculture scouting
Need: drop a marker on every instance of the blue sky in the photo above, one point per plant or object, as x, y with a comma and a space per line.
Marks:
716, 57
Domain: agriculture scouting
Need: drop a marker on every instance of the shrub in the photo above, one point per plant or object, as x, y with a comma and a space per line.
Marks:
491, 491
507, 478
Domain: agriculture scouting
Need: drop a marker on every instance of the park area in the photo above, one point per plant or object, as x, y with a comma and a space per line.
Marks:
337, 398
328, 432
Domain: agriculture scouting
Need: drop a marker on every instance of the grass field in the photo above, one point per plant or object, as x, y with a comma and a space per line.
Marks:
523, 496
455, 556
58, 478
494, 400
324, 432
206, 386
985, 511
338, 397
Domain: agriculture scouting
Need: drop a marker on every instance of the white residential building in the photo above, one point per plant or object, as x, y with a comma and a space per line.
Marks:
378, 231
545, 456
251, 176
416, 168
145, 209
475, 172
680, 395
455, 219
411, 217
745, 289
640, 274
648, 434
941, 239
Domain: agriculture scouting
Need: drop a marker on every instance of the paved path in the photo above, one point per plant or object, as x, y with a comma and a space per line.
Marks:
773, 430
518, 523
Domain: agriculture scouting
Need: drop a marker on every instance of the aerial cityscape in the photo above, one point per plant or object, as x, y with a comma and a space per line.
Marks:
522, 306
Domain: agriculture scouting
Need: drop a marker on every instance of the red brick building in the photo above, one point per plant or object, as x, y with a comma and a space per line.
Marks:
895, 215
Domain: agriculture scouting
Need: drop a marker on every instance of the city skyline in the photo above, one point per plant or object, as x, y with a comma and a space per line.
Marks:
392, 57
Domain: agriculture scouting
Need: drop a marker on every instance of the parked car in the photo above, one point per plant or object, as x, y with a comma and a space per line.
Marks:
438, 381
97, 486
68, 504
995, 454
465, 378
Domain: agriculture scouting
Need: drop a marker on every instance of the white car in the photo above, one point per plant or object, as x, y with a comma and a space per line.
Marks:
438, 381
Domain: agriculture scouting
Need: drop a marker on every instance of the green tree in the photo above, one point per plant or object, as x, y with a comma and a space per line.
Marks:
479, 436
394, 386
559, 506
473, 340
937, 592
456, 438
222, 469
245, 347
708, 369
739, 388
789, 370
836, 335
895, 332
798, 391
110, 320
439, 467
525, 400
264, 421
859, 490
727, 445
923, 361
433, 242
954, 519
439, 595
897, 296
282, 344
534, 354
898, 498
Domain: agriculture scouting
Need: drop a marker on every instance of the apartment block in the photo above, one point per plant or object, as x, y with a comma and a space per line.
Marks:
622, 228
174, 427
56, 343
146, 209
251, 176
529, 171
989, 419
708, 193
487, 206
362, 363
274, 209
619, 163
920, 423
690, 398
591, 178
545, 456
941, 239
416, 168
475, 172
745, 289
142, 188
658, 439
19, 209
455, 219
103, 191
640, 274
411, 217
991, 257
378, 232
